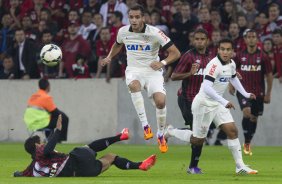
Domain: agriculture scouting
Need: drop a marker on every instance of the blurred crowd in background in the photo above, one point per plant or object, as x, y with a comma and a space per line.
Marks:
86, 29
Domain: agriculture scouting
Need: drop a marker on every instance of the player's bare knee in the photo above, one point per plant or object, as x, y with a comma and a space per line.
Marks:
247, 113
160, 104
135, 86
232, 133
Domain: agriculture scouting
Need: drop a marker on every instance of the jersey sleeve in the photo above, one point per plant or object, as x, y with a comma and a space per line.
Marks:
233, 69
119, 39
163, 40
184, 64
211, 71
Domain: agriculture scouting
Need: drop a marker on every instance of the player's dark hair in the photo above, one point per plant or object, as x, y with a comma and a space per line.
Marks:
29, 144
46, 31
226, 40
203, 31
277, 31
43, 84
249, 31
137, 7
118, 14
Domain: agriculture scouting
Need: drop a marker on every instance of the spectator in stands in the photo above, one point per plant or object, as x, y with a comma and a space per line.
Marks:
39, 30
116, 20
166, 15
181, 27
41, 111
113, 5
93, 6
215, 38
147, 17
264, 28
277, 39
24, 56
249, 9
71, 46
80, 68
14, 10
28, 27
45, 14
8, 68
216, 22
156, 21
176, 9
87, 26
238, 41
7, 35
242, 23
274, 15
130, 3
103, 48
151, 6
73, 16
204, 18
32, 9
59, 11
228, 14
268, 49
93, 36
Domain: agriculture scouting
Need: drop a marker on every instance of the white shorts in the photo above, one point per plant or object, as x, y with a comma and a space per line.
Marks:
204, 115
151, 81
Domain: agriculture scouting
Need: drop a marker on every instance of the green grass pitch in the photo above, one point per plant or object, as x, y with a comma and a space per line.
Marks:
216, 163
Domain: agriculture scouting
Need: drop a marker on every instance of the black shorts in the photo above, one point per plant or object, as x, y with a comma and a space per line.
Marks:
256, 105
185, 107
82, 162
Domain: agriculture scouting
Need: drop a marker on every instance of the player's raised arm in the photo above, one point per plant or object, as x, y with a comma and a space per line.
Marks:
50, 146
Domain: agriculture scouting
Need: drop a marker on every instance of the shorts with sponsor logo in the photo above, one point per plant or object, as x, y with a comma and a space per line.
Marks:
256, 105
204, 115
151, 81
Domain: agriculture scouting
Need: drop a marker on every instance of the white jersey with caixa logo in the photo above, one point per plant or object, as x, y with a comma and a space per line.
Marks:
142, 48
220, 74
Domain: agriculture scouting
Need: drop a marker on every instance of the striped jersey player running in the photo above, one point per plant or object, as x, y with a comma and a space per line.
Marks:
144, 70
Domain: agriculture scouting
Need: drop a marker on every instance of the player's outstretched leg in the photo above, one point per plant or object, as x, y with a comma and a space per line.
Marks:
102, 144
125, 164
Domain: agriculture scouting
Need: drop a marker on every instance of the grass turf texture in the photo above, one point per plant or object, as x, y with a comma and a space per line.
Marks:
216, 163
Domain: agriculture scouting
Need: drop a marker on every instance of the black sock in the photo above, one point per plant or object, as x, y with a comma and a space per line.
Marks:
125, 164
102, 144
246, 128
195, 156
253, 127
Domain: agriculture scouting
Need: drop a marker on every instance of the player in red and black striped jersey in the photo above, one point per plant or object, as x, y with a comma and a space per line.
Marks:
190, 70
81, 161
254, 65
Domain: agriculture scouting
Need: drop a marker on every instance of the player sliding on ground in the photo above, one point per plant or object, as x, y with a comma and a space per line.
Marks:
81, 161
210, 106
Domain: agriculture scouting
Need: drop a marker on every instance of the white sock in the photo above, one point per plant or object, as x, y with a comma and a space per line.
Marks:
161, 120
235, 148
138, 103
183, 135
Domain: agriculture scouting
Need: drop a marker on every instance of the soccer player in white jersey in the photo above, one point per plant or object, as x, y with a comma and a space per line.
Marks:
144, 70
210, 106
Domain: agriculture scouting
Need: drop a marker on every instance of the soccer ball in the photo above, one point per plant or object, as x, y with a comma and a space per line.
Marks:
51, 55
